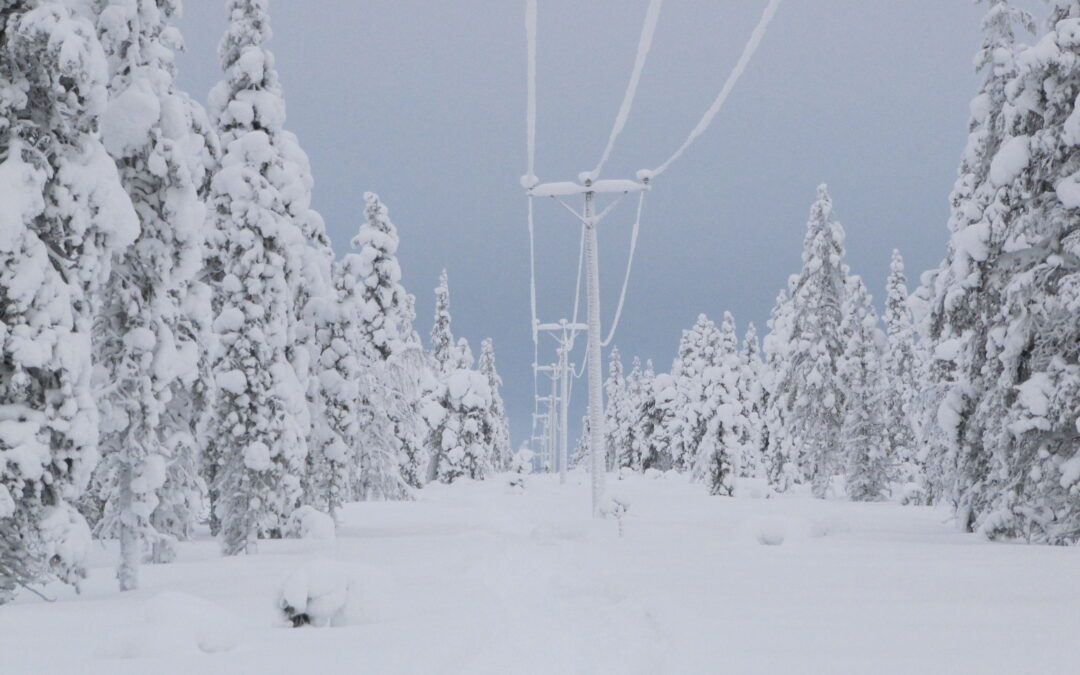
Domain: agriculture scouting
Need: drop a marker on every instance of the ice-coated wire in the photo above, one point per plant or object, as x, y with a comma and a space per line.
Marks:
648, 29
629, 267
729, 84
530, 120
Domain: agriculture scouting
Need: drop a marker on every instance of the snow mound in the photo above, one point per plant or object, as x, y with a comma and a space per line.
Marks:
769, 531
753, 488
329, 593
175, 623
307, 522
823, 527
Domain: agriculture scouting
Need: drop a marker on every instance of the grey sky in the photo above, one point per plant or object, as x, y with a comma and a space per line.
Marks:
423, 101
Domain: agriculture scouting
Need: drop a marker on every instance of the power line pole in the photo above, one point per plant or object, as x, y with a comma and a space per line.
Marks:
596, 391
589, 218
564, 333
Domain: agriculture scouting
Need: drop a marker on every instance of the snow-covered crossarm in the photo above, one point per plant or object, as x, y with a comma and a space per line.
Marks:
561, 326
569, 188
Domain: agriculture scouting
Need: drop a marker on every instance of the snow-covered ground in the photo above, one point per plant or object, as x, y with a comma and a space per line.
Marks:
473, 578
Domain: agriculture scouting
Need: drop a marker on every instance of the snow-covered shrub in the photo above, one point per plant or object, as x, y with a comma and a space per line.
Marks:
516, 486
654, 474
616, 508
769, 531
324, 593
307, 522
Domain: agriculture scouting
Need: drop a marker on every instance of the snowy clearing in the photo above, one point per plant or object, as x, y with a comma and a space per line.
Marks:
473, 578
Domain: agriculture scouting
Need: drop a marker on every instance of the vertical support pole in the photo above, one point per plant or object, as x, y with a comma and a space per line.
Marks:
596, 391
564, 403
553, 429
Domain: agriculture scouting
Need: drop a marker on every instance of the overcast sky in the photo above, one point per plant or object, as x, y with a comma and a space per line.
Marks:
423, 101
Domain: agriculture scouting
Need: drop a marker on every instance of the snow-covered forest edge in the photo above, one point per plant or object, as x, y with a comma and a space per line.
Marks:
186, 358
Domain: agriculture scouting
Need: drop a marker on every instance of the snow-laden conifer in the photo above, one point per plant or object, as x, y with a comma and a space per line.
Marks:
751, 395
457, 421
64, 215
697, 351
1032, 417
865, 448
965, 299
781, 458
150, 327
498, 424
442, 336
261, 422
808, 387
629, 453
616, 428
899, 372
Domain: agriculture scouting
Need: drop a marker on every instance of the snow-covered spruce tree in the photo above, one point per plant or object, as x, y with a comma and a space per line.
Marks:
1033, 350
387, 323
343, 369
697, 351
497, 425
463, 356
616, 435
64, 216
581, 453
865, 435
898, 369
456, 418
653, 420
151, 320
411, 372
965, 299
359, 453
629, 453
808, 387
657, 420
751, 395
380, 457
725, 427
442, 336
728, 358
387, 303
260, 422
780, 457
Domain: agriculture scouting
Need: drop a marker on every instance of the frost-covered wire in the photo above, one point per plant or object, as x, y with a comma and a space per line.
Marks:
629, 267
729, 84
648, 29
530, 121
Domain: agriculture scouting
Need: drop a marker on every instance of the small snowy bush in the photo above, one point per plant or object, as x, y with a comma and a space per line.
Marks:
516, 486
769, 531
307, 522
328, 593
616, 508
